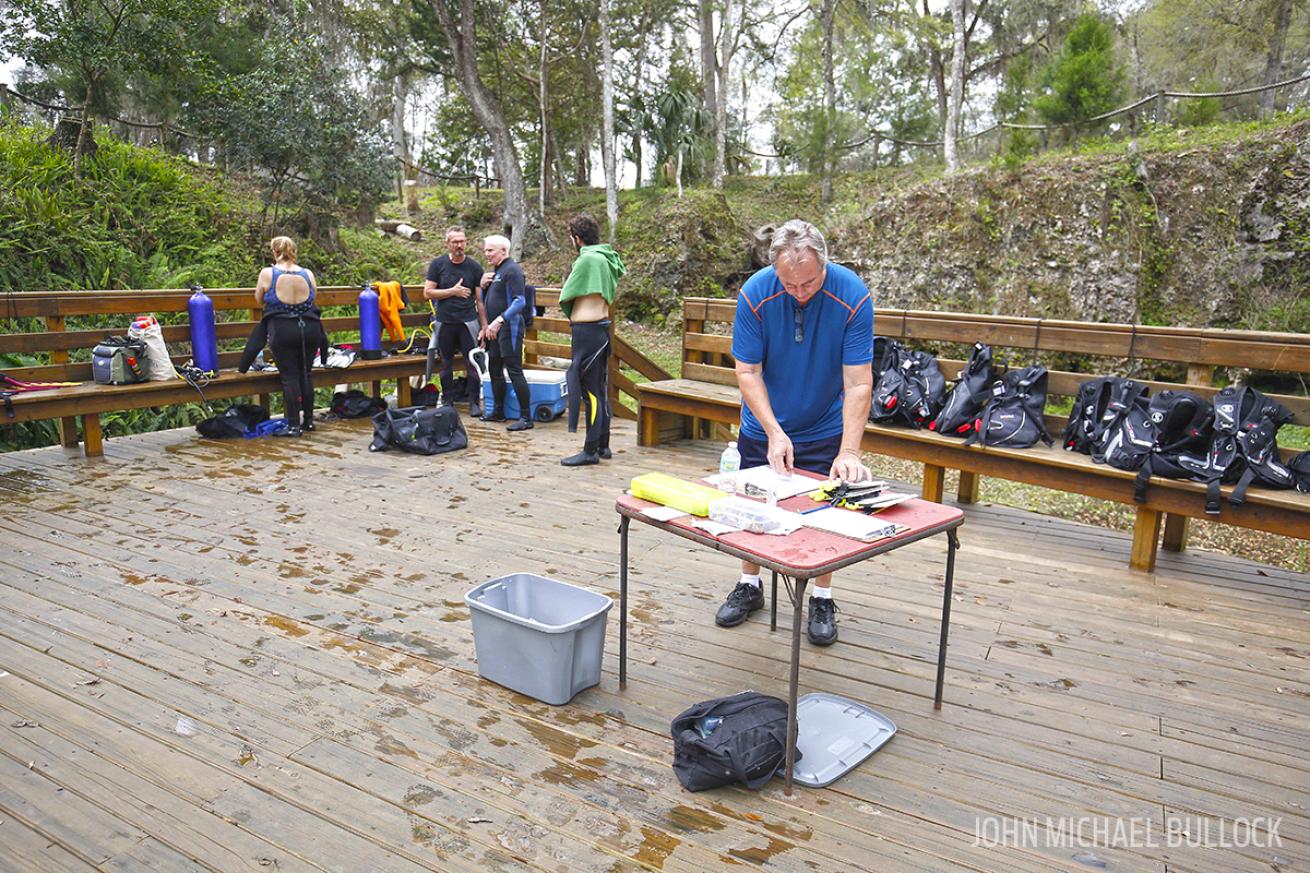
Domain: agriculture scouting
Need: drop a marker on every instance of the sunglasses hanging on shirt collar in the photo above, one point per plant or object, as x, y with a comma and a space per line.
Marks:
799, 314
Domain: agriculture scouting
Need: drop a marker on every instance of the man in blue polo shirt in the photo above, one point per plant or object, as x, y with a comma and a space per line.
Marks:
803, 341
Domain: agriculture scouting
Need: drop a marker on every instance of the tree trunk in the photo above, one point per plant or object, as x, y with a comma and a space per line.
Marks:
829, 101
607, 131
544, 107
399, 139
708, 61
679, 173
84, 134
640, 66
724, 70
527, 229
952, 130
1271, 101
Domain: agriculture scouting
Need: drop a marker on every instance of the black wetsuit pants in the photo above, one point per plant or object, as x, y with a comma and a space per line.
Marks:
588, 381
293, 342
455, 339
506, 355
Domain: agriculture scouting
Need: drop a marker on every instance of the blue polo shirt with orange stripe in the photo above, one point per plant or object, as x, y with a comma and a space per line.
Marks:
804, 379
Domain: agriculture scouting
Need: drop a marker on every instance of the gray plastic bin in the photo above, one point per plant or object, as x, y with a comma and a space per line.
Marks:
538, 636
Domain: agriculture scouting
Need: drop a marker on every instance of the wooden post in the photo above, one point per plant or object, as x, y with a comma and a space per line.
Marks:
1146, 536
648, 427
404, 395
377, 388
968, 491
934, 482
67, 424
1175, 532
91, 436
266, 401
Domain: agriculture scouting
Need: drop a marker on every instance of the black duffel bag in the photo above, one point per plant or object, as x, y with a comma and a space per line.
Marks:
737, 739
235, 422
419, 430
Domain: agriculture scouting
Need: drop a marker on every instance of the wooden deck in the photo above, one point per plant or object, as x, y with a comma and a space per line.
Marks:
255, 656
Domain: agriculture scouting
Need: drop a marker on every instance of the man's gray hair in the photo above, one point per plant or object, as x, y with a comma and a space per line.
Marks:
496, 240
797, 237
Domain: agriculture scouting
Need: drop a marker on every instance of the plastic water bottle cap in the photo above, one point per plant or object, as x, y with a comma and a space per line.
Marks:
732, 444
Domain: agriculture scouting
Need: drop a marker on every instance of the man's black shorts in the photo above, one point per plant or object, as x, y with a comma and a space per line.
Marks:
817, 457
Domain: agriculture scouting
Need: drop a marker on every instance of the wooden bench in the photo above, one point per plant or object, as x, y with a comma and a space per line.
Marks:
707, 395
85, 402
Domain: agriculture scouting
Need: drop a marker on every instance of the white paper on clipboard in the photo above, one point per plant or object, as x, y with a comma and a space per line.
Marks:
763, 477
848, 523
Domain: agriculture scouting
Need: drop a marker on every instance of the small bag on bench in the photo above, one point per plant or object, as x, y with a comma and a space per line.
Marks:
738, 739
118, 361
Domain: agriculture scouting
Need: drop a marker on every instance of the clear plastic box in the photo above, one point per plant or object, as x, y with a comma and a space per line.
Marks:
751, 515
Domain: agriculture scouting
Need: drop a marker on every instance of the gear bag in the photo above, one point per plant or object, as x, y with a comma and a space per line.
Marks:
1245, 445
1300, 467
737, 739
1182, 426
1091, 412
356, 404
118, 361
1014, 419
887, 357
236, 422
1125, 434
962, 405
913, 392
419, 430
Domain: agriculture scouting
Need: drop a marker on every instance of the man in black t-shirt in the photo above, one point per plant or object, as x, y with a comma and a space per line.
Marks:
454, 281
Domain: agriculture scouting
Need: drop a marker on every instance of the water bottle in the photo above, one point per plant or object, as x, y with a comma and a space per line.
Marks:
204, 341
729, 464
370, 324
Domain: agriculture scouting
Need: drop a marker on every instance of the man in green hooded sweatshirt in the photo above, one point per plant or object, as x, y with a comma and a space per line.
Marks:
586, 299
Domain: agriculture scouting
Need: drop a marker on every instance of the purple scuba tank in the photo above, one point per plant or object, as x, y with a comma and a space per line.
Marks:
370, 324
204, 342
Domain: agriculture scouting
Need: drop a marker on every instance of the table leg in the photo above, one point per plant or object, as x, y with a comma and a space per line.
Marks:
952, 543
773, 604
623, 602
797, 592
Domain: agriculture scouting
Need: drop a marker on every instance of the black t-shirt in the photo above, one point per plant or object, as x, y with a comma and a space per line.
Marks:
508, 284
456, 310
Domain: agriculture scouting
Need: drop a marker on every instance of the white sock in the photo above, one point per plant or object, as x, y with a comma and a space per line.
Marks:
751, 580
822, 593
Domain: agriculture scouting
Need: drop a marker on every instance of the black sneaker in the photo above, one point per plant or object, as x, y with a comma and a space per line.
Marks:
521, 424
744, 599
822, 628
494, 415
287, 432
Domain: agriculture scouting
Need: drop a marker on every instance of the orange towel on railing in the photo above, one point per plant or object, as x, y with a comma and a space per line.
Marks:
391, 299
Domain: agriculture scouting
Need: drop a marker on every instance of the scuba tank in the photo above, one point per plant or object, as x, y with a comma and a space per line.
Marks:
204, 341
370, 324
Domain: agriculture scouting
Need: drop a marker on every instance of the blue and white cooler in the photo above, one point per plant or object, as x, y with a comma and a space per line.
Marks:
548, 392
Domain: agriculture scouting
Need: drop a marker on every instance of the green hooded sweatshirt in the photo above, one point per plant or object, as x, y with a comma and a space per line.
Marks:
596, 271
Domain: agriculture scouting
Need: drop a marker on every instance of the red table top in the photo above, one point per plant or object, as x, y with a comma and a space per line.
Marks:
809, 552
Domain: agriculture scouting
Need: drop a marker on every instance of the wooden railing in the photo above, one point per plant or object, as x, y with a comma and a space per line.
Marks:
56, 308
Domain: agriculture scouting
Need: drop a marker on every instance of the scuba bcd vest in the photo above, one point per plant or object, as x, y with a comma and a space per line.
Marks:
1092, 414
1246, 426
1181, 426
967, 397
1014, 418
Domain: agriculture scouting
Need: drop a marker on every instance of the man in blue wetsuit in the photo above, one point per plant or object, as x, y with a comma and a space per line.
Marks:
803, 342
504, 297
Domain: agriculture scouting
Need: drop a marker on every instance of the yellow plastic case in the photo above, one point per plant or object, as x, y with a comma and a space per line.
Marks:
680, 494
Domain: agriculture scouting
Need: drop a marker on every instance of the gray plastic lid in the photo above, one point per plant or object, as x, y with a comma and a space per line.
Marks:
834, 735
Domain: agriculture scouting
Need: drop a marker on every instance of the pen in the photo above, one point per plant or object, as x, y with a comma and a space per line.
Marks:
815, 509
